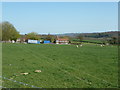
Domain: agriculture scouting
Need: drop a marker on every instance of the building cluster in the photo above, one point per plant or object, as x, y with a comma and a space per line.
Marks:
58, 40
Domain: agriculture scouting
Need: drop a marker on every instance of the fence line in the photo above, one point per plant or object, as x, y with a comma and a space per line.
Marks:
18, 82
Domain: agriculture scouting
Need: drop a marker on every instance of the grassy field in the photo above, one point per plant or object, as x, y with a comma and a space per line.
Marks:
62, 66
87, 41
0, 64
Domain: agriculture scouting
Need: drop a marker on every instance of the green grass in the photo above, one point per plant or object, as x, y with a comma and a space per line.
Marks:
87, 41
62, 66
0, 64
93, 41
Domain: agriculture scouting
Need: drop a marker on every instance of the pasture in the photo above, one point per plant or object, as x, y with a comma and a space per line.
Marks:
62, 66
0, 64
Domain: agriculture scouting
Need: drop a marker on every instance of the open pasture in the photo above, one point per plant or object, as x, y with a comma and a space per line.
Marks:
61, 66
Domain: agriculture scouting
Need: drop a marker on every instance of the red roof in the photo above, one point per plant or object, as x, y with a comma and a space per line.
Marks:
62, 39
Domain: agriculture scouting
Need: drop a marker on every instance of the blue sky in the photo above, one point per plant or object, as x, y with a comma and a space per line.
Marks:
61, 17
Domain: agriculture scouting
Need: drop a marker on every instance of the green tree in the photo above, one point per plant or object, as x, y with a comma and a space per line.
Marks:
113, 40
33, 36
49, 37
80, 37
9, 32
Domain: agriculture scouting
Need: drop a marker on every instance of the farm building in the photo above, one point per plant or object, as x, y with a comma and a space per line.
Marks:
62, 40
46, 41
21, 39
34, 41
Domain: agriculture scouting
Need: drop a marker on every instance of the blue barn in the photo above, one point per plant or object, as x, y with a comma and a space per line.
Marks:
46, 42
38, 42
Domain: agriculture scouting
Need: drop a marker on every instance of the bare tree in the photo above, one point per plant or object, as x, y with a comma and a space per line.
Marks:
80, 37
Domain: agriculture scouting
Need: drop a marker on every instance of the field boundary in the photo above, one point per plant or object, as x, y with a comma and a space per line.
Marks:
18, 82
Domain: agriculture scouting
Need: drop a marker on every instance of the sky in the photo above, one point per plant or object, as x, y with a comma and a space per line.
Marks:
61, 17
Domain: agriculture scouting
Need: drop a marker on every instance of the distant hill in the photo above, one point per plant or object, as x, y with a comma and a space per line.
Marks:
93, 35
89, 35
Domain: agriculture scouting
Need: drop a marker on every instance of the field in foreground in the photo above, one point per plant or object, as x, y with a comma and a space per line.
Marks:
62, 66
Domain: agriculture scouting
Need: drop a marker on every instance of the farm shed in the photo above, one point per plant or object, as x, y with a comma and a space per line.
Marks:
62, 40
46, 42
33, 41
38, 42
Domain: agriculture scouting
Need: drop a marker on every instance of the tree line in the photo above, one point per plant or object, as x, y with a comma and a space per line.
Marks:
8, 33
